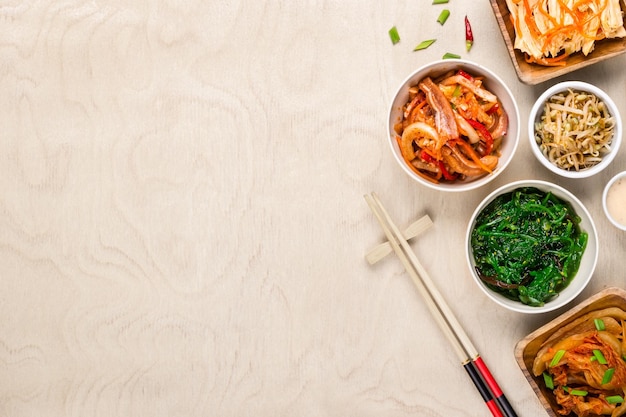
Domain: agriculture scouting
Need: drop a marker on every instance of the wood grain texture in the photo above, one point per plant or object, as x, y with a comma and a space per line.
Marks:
182, 222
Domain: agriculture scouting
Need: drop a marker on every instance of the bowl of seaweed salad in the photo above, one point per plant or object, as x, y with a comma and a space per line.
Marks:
531, 246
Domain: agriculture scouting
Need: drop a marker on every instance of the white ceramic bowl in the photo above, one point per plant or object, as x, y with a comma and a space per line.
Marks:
493, 83
614, 200
588, 261
538, 109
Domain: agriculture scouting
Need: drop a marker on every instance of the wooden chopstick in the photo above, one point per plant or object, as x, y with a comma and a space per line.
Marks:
384, 249
482, 378
451, 318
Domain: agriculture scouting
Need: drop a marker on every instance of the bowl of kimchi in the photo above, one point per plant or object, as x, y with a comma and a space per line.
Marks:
453, 125
574, 363
575, 129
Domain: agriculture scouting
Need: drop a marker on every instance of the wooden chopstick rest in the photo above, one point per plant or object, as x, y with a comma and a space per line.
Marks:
384, 249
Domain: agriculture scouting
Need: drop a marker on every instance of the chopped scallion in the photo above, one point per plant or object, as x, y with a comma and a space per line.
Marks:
599, 356
424, 44
578, 392
547, 378
614, 399
394, 35
457, 91
443, 16
449, 55
608, 375
440, 1
599, 324
557, 357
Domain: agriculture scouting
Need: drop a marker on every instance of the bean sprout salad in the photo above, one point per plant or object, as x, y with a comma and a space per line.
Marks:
575, 130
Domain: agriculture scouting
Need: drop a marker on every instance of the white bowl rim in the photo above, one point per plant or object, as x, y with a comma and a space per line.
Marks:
570, 292
605, 193
456, 186
579, 86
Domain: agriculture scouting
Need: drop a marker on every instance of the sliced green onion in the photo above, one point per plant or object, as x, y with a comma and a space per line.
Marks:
457, 91
599, 356
547, 378
578, 392
608, 375
449, 55
440, 1
443, 16
614, 399
424, 44
599, 324
394, 35
557, 357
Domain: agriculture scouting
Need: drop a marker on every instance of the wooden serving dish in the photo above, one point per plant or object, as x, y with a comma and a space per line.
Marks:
527, 348
534, 74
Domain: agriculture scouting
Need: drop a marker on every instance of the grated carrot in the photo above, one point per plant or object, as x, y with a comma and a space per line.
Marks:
549, 31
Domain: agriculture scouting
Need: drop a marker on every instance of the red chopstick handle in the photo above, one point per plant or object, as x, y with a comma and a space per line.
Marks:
482, 389
504, 404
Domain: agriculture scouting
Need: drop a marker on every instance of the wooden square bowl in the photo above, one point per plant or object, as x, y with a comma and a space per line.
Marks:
527, 348
534, 74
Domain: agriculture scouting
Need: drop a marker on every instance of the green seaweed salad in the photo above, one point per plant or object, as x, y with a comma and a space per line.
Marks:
527, 245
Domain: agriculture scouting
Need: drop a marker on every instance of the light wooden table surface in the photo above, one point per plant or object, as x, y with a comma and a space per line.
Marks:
183, 229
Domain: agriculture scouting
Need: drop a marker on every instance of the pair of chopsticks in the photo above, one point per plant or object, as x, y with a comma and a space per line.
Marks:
478, 372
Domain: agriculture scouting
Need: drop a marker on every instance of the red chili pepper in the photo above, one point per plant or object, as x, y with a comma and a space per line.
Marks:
465, 75
444, 171
427, 157
469, 36
493, 109
486, 135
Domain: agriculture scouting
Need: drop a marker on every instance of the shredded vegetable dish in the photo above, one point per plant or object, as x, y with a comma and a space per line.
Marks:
584, 365
549, 31
452, 128
527, 245
575, 130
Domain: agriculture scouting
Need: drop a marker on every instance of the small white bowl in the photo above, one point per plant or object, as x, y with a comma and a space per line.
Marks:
587, 264
538, 109
614, 200
493, 83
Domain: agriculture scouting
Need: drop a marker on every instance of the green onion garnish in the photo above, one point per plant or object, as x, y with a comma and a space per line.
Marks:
457, 91
547, 378
443, 16
599, 356
578, 392
440, 1
449, 55
608, 375
557, 357
614, 399
424, 44
393, 34
599, 324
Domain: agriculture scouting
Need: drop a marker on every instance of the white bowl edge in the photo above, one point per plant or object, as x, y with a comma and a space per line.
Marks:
571, 291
